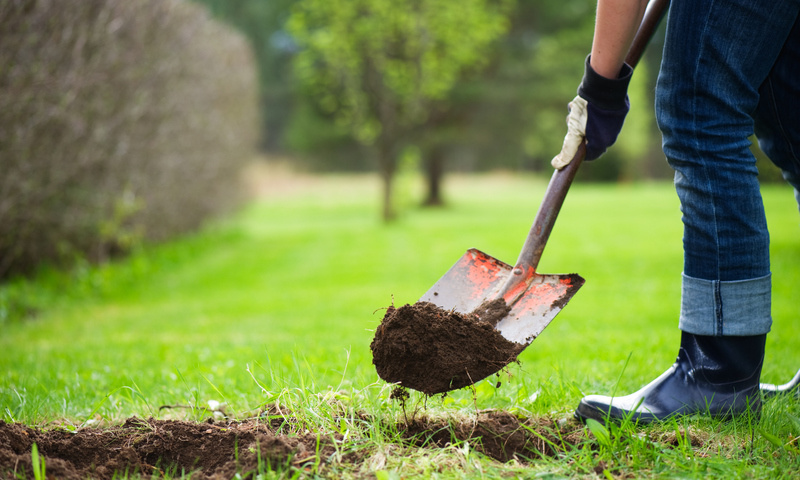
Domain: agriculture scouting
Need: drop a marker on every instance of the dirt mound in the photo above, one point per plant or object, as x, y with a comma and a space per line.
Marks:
221, 450
497, 434
212, 451
433, 351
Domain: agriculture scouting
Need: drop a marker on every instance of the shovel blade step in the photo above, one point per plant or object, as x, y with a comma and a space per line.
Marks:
477, 277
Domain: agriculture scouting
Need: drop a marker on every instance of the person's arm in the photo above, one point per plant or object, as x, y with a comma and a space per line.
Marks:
599, 110
615, 26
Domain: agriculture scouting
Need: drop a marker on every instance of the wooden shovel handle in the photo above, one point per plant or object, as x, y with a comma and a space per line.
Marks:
548, 211
652, 18
562, 179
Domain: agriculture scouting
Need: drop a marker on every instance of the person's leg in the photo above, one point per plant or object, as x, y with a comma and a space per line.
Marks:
707, 93
777, 118
777, 126
717, 54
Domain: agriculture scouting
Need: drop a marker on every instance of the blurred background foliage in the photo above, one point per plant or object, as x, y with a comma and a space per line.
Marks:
506, 111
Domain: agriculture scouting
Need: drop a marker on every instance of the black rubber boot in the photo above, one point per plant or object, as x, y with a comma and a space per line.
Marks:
716, 376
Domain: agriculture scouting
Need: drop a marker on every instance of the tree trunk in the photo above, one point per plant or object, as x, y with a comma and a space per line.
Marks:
435, 171
386, 165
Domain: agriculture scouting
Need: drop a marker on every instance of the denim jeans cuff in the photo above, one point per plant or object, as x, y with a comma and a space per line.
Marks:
730, 308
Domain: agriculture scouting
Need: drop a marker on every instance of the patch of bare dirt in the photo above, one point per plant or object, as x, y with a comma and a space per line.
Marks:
497, 434
150, 447
270, 178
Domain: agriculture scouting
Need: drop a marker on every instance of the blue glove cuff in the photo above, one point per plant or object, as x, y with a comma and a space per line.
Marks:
606, 93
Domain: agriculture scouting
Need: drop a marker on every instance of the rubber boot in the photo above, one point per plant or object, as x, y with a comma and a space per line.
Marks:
716, 376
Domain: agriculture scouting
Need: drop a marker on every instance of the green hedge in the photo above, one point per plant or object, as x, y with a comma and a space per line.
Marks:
120, 121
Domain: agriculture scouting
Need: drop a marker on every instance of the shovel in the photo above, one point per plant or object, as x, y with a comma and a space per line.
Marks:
534, 298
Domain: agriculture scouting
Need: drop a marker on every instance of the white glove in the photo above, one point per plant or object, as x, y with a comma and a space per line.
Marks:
576, 131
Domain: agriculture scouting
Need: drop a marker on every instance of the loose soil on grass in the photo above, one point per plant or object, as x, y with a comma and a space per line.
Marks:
156, 447
432, 350
220, 450
499, 435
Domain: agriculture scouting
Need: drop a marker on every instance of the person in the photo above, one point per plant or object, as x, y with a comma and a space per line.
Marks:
730, 68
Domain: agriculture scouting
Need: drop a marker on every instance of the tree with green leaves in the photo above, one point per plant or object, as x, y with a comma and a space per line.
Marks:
378, 66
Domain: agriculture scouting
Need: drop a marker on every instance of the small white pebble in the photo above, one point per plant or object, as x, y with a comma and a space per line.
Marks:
534, 396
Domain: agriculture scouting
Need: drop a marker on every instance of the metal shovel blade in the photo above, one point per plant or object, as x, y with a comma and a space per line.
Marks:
477, 277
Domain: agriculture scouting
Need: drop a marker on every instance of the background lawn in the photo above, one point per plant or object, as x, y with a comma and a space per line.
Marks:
293, 286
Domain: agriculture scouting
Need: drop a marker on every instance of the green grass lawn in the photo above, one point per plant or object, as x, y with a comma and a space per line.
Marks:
279, 302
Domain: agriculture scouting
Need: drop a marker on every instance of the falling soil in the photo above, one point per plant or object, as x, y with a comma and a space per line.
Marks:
433, 351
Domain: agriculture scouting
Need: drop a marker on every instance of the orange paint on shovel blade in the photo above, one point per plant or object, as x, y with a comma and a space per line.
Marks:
538, 295
482, 271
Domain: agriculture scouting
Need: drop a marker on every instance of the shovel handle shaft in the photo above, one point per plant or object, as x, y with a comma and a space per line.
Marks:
548, 211
652, 18
525, 269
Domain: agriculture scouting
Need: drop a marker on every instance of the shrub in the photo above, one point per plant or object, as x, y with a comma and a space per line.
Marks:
120, 121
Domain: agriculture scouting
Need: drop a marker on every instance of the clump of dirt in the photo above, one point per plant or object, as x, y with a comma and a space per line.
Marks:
156, 447
676, 439
498, 434
428, 349
492, 312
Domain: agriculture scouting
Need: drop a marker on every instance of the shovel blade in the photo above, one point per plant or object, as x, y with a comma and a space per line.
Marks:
477, 277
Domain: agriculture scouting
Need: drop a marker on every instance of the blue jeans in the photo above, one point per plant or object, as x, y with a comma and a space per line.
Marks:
730, 68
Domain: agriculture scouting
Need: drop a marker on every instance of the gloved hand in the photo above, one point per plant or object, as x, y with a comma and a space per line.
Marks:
597, 114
